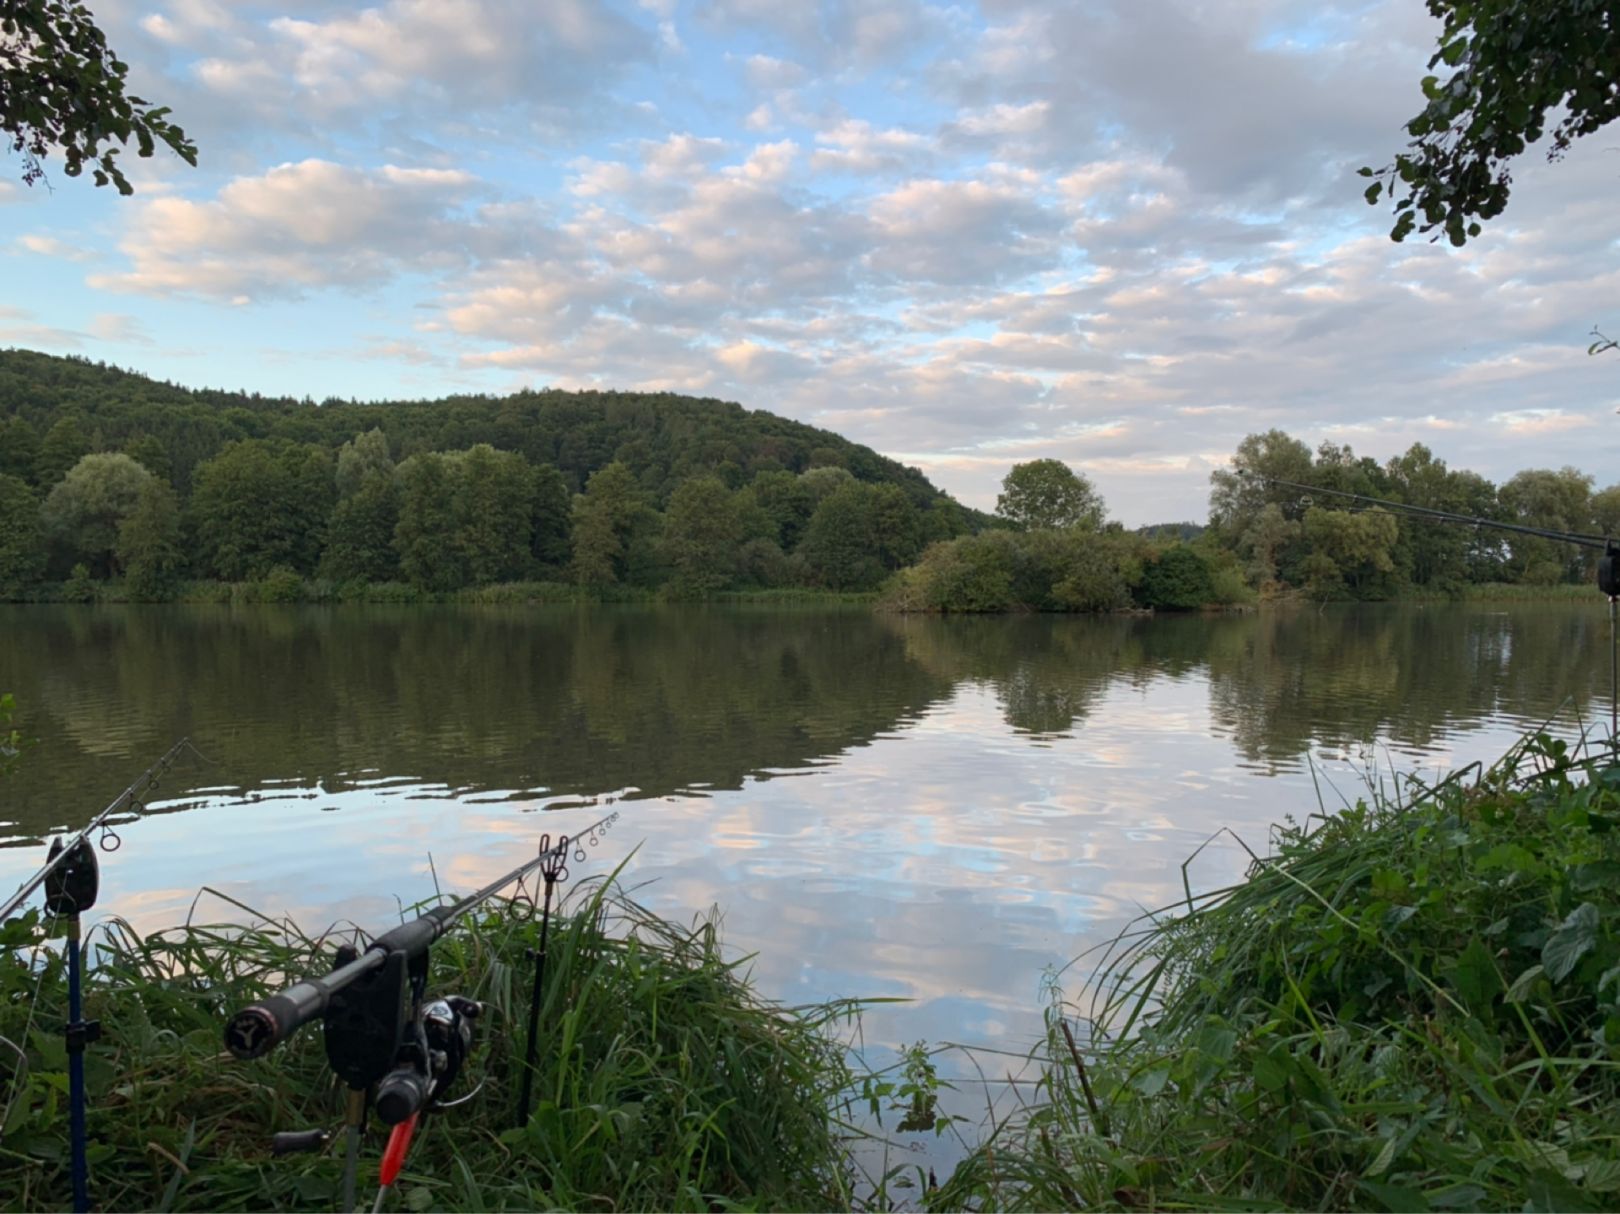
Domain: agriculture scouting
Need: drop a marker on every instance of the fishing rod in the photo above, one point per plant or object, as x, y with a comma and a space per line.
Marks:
396, 1053
71, 876
1608, 565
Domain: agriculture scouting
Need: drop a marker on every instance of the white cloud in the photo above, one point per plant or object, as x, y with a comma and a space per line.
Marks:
295, 228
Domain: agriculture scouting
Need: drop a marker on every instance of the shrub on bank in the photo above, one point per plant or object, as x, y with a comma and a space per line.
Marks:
1409, 1005
1074, 569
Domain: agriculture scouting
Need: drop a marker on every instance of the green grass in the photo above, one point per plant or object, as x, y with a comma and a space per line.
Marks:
1413, 1003
665, 1082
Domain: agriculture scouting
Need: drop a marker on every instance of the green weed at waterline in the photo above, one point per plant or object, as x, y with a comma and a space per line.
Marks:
664, 1082
1411, 1004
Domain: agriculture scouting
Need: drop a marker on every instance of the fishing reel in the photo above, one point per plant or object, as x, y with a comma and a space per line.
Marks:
437, 1044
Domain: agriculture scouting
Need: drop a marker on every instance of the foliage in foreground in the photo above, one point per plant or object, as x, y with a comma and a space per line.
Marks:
1410, 1005
664, 1082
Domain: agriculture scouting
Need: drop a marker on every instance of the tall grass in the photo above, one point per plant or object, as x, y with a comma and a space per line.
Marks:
1411, 1004
664, 1081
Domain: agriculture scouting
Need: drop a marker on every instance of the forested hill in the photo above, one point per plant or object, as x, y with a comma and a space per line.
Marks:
663, 438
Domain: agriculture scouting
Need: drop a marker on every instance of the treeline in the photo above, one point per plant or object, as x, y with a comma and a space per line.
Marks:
136, 488
1286, 540
1264, 540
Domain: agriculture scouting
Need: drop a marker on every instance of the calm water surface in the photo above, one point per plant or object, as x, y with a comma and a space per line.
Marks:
941, 810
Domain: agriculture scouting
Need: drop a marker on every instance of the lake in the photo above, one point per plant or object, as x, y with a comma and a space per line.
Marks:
944, 810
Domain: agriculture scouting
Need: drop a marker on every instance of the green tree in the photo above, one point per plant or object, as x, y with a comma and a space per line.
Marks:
896, 529
425, 537
1238, 494
494, 512
701, 535
19, 449
260, 504
361, 457
82, 513
839, 545
149, 543
787, 501
1358, 545
1264, 542
1606, 512
609, 517
549, 526
1048, 493
64, 446
1511, 66
62, 89
360, 537
1178, 579
1554, 501
150, 453
22, 546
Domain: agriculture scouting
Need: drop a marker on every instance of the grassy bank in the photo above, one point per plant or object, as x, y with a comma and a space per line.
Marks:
1410, 1004
664, 1082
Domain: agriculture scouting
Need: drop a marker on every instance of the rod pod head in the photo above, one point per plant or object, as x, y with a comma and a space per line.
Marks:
72, 886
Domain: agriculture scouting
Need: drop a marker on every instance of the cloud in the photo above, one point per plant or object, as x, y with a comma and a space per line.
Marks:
298, 227
49, 246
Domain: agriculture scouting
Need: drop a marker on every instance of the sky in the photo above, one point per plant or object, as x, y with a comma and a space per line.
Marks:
1119, 233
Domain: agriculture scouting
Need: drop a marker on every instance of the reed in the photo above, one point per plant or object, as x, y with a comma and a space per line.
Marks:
665, 1081
1411, 1003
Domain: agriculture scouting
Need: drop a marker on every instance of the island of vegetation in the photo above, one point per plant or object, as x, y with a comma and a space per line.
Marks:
115, 487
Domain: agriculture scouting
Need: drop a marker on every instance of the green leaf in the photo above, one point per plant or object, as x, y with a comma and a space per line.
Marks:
1523, 984
1572, 941
1394, 1196
1476, 978
1382, 1160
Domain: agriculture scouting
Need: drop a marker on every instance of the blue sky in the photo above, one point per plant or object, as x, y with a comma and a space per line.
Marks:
1122, 233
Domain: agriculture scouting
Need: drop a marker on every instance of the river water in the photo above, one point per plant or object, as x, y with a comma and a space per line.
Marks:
943, 810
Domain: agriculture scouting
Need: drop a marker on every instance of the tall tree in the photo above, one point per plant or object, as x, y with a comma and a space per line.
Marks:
839, 546
22, 547
19, 449
64, 446
83, 512
608, 517
149, 543
1555, 501
494, 512
62, 89
1047, 493
1513, 65
701, 534
262, 503
1237, 494
425, 536
360, 537
359, 458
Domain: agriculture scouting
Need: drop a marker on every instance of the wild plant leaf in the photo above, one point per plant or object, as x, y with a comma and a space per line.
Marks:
1597, 875
1394, 1196
1572, 941
1476, 978
1520, 990
1382, 1160
1602, 1176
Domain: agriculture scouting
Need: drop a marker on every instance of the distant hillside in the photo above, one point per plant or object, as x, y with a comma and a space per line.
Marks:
663, 437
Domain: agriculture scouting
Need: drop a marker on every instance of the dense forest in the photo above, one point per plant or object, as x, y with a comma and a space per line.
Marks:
109, 479
115, 486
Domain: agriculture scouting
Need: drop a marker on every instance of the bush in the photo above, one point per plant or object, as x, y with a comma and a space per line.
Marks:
79, 588
280, 585
1178, 579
